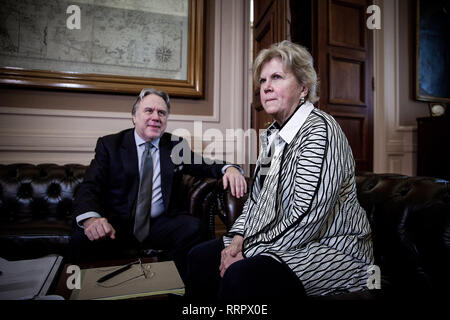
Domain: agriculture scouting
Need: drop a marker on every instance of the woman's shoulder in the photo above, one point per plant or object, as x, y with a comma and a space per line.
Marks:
321, 120
320, 124
325, 116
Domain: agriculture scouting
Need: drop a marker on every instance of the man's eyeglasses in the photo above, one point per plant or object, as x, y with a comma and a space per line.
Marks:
145, 271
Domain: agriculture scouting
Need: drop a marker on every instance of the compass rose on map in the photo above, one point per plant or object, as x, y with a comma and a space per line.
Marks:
163, 54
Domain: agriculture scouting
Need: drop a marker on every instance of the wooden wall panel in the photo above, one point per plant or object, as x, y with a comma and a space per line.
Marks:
265, 33
346, 81
354, 129
260, 8
346, 24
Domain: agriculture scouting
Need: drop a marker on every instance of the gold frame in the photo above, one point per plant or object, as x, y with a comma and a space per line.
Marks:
192, 87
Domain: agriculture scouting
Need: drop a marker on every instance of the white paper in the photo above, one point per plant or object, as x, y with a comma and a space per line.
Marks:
24, 279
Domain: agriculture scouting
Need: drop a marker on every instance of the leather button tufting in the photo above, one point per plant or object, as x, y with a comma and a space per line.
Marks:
54, 190
25, 191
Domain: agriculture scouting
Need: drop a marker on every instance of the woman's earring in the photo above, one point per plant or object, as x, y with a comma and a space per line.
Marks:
302, 100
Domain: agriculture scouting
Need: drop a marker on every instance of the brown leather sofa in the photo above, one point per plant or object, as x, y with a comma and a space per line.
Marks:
409, 216
410, 221
36, 205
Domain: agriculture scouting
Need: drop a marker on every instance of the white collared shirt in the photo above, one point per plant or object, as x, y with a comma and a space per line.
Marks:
289, 129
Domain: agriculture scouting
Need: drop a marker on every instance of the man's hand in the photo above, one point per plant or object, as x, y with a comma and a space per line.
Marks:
236, 180
231, 254
98, 228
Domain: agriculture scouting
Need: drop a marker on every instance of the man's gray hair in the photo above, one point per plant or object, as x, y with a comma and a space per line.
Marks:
146, 92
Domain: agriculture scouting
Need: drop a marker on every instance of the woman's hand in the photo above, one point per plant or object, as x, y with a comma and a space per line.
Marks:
231, 254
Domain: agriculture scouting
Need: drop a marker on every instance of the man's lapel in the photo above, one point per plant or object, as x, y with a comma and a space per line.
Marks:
129, 156
167, 168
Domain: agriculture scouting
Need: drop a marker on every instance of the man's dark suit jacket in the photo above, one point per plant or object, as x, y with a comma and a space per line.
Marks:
111, 182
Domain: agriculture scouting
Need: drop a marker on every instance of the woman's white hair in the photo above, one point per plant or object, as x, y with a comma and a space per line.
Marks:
296, 59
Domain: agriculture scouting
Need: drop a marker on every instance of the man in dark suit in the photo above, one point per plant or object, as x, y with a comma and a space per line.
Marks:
110, 204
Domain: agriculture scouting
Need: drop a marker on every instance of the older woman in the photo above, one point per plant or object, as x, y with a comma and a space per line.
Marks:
302, 230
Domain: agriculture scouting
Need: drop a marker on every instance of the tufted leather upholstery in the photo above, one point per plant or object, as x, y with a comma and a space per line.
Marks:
36, 205
410, 221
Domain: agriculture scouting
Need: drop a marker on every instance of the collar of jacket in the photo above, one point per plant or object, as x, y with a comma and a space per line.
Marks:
292, 126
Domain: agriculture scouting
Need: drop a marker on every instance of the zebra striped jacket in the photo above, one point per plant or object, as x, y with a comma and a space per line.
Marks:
306, 214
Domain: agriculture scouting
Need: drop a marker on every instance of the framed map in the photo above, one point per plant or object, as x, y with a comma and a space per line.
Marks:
103, 45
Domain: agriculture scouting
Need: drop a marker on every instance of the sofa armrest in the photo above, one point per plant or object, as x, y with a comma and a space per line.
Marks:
229, 208
201, 199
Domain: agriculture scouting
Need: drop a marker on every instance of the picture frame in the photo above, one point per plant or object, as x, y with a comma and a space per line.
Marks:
130, 79
432, 51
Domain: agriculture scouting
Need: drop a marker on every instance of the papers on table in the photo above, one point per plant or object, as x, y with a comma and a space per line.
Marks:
27, 279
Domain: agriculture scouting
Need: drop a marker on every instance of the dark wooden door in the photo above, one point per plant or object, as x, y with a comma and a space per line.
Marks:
342, 48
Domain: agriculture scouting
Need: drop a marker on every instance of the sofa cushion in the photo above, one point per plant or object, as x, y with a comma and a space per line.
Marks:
36, 206
410, 221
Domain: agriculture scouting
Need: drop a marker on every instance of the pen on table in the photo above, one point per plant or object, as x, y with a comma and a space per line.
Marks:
116, 272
